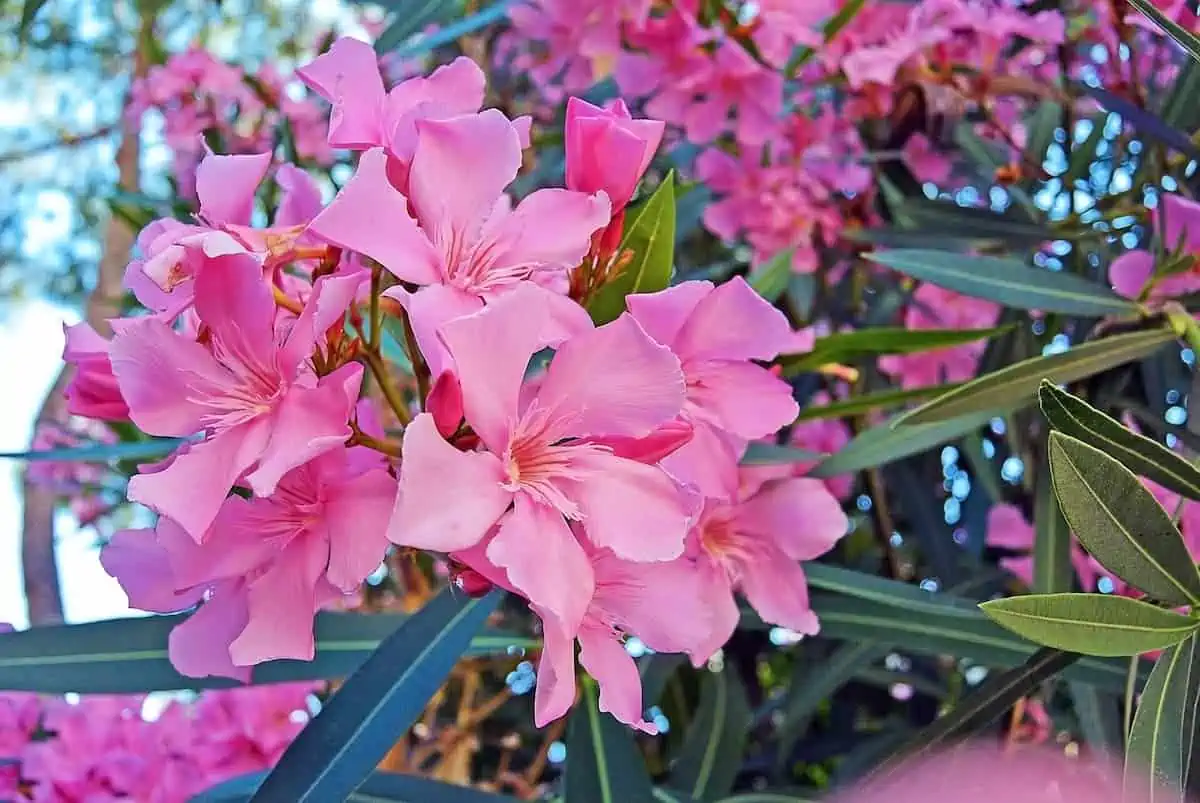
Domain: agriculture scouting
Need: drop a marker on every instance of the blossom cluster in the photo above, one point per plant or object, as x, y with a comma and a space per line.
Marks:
54, 750
604, 486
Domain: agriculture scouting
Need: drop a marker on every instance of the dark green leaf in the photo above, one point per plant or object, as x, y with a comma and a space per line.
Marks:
1052, 569
948, 633
1179, 111
771, 278
447, 34
408, 19
655, 670
902, 596
101, 453
123, 656
876, 400
1145, 122
1164, 729
379, 787
29, 11
603, 761
1186, 40
887, 443
770, 454
845, 346
1008, 281
339, 748
1045, 121
995, 696
650, 235
1141, 455
769, 797
712, 753
1105, 625
1121, 523
1017, 385
1008, 227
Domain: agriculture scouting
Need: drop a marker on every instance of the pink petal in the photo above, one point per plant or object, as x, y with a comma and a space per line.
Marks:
799, 514
664, 313
236, 302
734, 323
370, 216
445, 403
555, 693
634, 509
428, 309
723, 611
460, 168
1007, 528
199, 647
491, 350
164, 377
356, 517
708, 461
778, 590
233, 546
549, 229
225, 186
301, 198
282, 605
662, 442
448, 499
142, 567
331, 296
1181, 223
1129, 272
532, 537
741, 397
306, 423
347, 75
459, 85
613, 380
605, 659
191, 489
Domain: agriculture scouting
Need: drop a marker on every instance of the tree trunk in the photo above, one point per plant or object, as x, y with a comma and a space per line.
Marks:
43, 594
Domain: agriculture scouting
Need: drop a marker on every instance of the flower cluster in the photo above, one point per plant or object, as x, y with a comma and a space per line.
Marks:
602, 485
104, 748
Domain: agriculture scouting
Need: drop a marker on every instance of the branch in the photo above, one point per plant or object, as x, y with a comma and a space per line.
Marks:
66, 141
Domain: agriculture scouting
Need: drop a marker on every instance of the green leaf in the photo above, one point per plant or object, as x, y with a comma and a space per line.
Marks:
101, 453
712, 753
875, 400
1121, 523
346, 740
769, 797
770, 454
1073, 416
1013, 387
650, 235
604, 764
771, 278
1186, 40
1105, 625
947, 633
125, 656
448, 34
887, 443
1041, 128
408, 19
379, 787
1052, 569
29, 11
948, 218
1007, 281
995, 696
860, 585
1160, 742
845, 346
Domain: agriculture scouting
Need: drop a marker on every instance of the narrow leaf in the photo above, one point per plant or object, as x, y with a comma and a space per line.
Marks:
712, 753
1105, 625
101, 452
1007, 281
770, 454
1186, 40
1017, 385
1146, 123
603, 761
1052, 569
1144, 456
1161, 739
886, 443
770, 279
1121, 523
650, 236
844, 346
875, 400
379, 787
355, 729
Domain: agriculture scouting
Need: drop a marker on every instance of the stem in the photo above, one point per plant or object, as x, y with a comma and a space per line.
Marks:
394, 399
374, 315
420, 368
387, 447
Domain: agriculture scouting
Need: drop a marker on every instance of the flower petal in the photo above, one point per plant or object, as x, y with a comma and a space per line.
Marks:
225, 186
300, 200
605, 659
347, 75
734, 323
199, 646
282, 604
356, 518
555, 693
235, 301
448, 499
799, 514
664, 313
778, 590
1129, 272
634, 509
550, 228
741, 397
142, 567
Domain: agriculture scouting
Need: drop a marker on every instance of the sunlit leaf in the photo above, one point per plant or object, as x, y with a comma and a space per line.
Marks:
876, 400
1190, 42
845, 346
1160, 742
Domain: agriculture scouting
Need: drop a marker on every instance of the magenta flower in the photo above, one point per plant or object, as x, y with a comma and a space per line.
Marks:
1007, 529
540, 465
933, 307
265, 566
251, 389
716, 332
93, 391
607, 150
752, 545
1130, 272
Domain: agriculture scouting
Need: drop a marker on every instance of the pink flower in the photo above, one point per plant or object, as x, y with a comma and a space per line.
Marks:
1007, 529
753, 544
251, 389
1180, 227
734, 84
782, 25
174, 252
935, 308
93, 391
265, 566
607, 150
716, 332
543, 461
